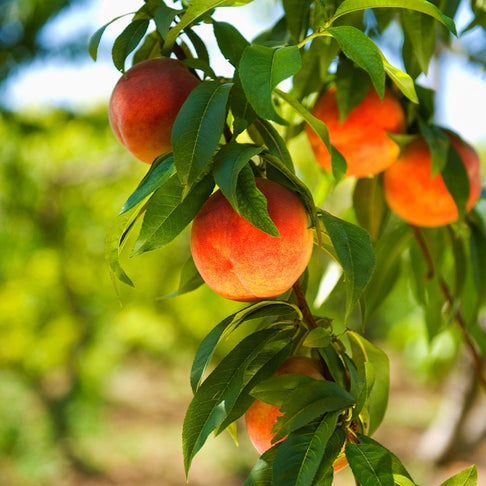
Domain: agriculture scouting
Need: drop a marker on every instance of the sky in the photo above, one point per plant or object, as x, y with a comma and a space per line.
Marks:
461, 87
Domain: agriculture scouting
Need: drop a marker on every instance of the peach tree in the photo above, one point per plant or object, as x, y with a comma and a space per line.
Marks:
230, 167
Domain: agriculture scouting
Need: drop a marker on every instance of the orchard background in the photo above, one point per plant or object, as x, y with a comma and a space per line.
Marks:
96, 393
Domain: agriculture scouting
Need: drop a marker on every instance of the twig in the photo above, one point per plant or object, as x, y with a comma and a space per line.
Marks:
303, 306
458, 317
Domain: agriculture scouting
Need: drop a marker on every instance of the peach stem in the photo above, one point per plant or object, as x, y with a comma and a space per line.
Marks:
476, 357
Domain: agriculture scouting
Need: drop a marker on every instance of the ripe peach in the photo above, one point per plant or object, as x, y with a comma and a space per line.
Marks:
241, 262
362, 137
145, 102
261, 417
421, 200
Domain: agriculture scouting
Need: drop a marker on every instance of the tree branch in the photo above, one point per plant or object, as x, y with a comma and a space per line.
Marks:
458, 317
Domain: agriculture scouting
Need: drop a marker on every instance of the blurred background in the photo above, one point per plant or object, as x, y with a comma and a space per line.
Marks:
94, 379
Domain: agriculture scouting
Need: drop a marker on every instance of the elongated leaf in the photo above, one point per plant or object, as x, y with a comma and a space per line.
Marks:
438, 145
196, 9
402, 80
324, 476
468, 477
95, 39
255, 311
338, 162
308, 402
230, 41
127, 41
190, 278
198, 128
424, 6
456, 180
297, 18
378, 383
228, 163
373, 464
262, 471
168, 213
318, 338
244, 115
261, 69
299, 457
274, 142
158, 174
356, 256
364, 52
218, 393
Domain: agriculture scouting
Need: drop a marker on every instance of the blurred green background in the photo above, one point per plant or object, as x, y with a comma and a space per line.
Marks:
94, 379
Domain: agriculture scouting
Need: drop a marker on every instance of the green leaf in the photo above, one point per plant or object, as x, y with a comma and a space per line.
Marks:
190, 278
364, 52
352, 85
301, 453
202, 53
372, 464
113, 244
324, 476
308, 402
252, 204
356, 256
208, 345
379, 386
244, 115
369, 205
456, 180
230, 41
168, 213
338, 162
275, 390
317, 338
160, 171
402, 80
127, 41
468, 477
95, 39
438, 145
163, 17
262, 471
216, 396
261, 69
197, 9
274, 142
198, 128
228, 163
297, 18
424, 6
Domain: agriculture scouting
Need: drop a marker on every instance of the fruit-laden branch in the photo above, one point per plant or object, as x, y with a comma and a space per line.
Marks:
458, 317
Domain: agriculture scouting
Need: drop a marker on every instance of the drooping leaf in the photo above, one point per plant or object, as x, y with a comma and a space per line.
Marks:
317, 338
424, 6
297, 18
262, 472
363, 51
325, 473
468, 477
338, 162
94, 40
230, 41
198, 129
197, 9
365, 352
216, 396
168, 213
438, 145
355, 253
163, 17
252, 204
373, 464
228, 163
261, 69
402, 80
127, 41
456, 179
190, 278
160, 171
301, 453
208, 345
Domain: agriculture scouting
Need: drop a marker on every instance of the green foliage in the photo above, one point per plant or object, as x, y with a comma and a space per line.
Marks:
231, 131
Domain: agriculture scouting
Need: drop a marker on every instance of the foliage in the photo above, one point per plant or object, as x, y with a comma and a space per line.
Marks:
229, 129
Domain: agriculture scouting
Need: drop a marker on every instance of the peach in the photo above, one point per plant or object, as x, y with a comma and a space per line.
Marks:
145, 102
423, 200
261, 417
241, 262
362, 137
